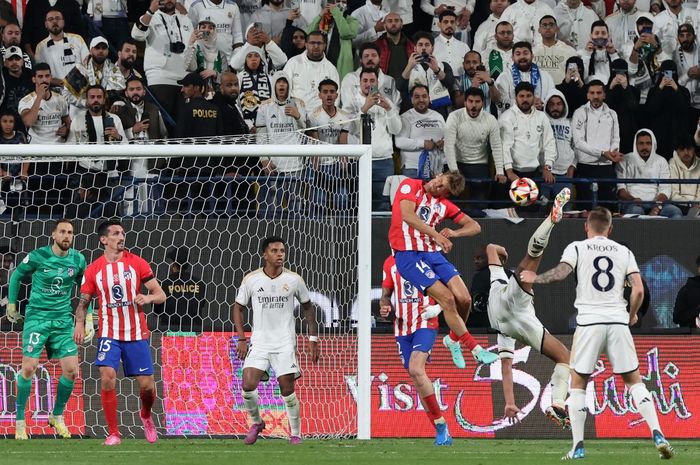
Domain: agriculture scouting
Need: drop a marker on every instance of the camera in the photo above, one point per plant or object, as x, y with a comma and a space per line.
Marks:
177, 47
205, 34
572, 67
481, 68
668, 74
425, 58
600, 42
374, 90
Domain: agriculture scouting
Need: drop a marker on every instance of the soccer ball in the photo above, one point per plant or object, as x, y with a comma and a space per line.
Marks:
524, 191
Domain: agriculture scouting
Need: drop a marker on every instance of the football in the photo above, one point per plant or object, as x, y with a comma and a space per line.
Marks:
523, 191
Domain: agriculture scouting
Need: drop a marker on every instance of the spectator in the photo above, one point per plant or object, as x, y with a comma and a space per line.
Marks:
643, 162
226, 17
463, 9
248, 9
227, 100
279, 115
110, 20
480, 289
404, 8
273, 17
526, 133
668, 107
185, 294
36, 23
557, 110
522, 70
18, 79
329, 175
686, 311
645, 57
370, 21
525, 16
471, 135
339, 29
11, 173
126, 60
622, 24
424, 68
666, 23
551, 54
596, 143
61, 50
598, 54
474, 75
572, 86
500, 58
310, 68
96, 70
685, 165
256, 86
44, 112
293, 41
485, 37
369, 59
272, 55
386, 123
422, 129
575, 21
166, 33
12, 36
656, 7
394, 47
199, 117
686, 58
204, 55
447, 48
140, 118
623, 98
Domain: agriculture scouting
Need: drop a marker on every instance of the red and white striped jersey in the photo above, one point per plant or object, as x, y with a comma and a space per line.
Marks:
431, 210
19, 7
116, 284
408, 302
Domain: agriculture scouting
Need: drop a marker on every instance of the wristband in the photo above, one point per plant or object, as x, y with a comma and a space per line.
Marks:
150, 12
242, 339
313, 338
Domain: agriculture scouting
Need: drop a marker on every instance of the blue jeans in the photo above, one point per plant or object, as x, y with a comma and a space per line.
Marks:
551, 190
329, 189
667, 210
381, 169
410, 172
478, 191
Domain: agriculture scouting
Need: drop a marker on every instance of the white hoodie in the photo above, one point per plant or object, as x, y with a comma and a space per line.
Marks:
633, 166
527, 140
563, 136
666, 26
684, 192
525, 18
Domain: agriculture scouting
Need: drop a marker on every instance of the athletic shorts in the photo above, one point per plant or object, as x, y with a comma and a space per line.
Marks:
282, 363
423, 269
55, 335
421, 340
512, 313
135, 355
614, 340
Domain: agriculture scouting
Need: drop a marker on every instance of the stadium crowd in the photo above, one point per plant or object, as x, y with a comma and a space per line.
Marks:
539, 88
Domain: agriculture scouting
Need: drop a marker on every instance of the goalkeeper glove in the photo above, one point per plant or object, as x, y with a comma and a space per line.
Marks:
89, 328
13, 314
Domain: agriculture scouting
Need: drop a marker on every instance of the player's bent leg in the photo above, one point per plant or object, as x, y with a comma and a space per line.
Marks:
556, 351
251, 379
24, 389
69, 370
147, 394
291, 403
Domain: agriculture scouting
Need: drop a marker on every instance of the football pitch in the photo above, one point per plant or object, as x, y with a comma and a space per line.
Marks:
312, 452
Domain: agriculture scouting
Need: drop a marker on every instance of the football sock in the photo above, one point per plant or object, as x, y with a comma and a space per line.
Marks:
468, 340
63, 392
540, 238
109, 406
148, 396
560, 383
645, 406
24, 388
577, 414
250, 401
432, 408
453, 336
293, 413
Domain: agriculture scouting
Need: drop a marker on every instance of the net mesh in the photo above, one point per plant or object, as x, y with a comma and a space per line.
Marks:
199, 223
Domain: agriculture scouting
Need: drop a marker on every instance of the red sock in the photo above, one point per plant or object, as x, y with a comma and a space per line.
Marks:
432, 409
468, 340
147, 398
109, 406
453, 336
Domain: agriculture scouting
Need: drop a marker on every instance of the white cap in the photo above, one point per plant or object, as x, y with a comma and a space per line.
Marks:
97, 41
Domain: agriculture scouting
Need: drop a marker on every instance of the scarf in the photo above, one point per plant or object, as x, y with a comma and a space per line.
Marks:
534, 75
591, 63
495, 63
326, 22
203, 60
90, 126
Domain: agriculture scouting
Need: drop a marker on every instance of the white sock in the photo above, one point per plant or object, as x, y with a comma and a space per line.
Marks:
577, 414
540, 238
560, 383
250, 401
645, 406
293, 413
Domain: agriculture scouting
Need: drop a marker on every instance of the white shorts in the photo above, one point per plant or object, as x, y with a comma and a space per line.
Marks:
613, 340
512, 313
282, 363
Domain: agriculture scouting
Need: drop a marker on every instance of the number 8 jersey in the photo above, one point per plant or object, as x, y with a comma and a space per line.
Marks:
601, 267
116, 284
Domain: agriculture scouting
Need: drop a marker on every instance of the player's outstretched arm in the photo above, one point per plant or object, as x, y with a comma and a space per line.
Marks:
239, 324
636, 296
556, 274
510, 410
312, 325
495, 254
408, 215
468, 228
80, 311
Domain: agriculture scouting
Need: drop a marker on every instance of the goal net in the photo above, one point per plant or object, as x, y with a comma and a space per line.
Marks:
197, 211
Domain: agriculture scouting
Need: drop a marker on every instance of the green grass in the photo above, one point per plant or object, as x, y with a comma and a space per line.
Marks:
376, 451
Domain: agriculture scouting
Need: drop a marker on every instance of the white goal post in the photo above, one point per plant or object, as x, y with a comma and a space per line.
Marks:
202, 148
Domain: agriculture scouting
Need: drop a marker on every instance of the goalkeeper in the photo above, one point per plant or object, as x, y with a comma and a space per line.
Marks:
54, 269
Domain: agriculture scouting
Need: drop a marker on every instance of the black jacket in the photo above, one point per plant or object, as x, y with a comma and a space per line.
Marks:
687, 306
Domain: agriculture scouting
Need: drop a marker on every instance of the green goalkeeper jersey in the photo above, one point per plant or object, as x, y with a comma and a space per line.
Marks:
53, 281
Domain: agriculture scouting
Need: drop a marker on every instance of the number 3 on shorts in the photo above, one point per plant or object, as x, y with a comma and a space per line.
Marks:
34, 338
105, 345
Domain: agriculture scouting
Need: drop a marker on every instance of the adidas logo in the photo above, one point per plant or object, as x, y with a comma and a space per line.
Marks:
294, 365
261, 290
273, 116
646, 399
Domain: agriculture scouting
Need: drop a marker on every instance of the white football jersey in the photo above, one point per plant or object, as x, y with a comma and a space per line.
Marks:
272, 301
330, 127
601, 266
49, 120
